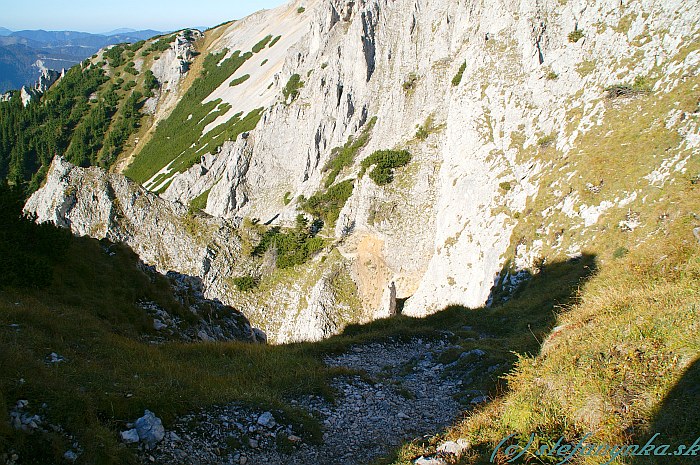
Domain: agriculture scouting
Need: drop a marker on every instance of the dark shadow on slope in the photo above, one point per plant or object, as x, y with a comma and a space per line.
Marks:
510, 284
519, 325
677, 423
530, 310
110, 279
400, 303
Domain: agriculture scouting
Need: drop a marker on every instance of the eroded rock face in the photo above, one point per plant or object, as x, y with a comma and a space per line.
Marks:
441, 230
46, 79
204, 251
446, 222
92, 202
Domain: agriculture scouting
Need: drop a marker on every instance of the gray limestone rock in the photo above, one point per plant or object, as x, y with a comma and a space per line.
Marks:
150, 429
266, 420
435, 231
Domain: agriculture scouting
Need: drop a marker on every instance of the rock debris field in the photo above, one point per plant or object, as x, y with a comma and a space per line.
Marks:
404, 396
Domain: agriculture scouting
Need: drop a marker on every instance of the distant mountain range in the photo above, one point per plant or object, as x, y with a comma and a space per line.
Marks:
23, 54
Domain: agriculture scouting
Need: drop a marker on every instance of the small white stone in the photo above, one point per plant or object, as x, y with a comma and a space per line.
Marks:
452, 447
266, 420
428, 461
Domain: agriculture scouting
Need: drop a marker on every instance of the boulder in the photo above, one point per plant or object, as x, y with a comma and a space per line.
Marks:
150, 429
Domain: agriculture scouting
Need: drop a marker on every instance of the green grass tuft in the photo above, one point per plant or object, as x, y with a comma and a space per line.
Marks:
575, 36
262, 44
327, 204
245, 283
291, 89
343, 157
200, 202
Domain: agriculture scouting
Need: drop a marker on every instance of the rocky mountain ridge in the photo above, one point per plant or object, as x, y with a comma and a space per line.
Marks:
26, 54
487, 104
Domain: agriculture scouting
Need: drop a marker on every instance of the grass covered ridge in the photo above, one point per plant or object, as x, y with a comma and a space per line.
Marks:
179, 139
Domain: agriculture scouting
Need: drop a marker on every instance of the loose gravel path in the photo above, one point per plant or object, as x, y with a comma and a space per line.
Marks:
404, 396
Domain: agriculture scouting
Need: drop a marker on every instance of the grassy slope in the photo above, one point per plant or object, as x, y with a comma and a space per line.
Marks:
88, 315
622, 366
179, 138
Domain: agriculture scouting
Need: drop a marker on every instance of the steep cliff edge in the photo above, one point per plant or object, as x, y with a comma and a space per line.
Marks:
495, 102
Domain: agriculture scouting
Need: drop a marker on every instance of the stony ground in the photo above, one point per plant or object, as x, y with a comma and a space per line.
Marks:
404, 396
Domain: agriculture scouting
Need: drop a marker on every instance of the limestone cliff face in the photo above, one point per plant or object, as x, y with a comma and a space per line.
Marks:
94, 203
490, 82
47, 78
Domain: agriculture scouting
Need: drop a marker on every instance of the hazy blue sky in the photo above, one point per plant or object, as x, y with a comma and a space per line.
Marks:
106, 15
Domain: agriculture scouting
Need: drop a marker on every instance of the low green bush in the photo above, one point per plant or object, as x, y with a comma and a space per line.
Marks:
327, 204
575, 35
239, 80
262, 44
291, 89
641, 85
458, 77
294, 246
385, 162
410, 83
274, 41
245, 283
114, 54
342, 157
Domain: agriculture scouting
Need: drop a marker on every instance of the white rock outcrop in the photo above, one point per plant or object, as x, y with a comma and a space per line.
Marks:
439, 232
